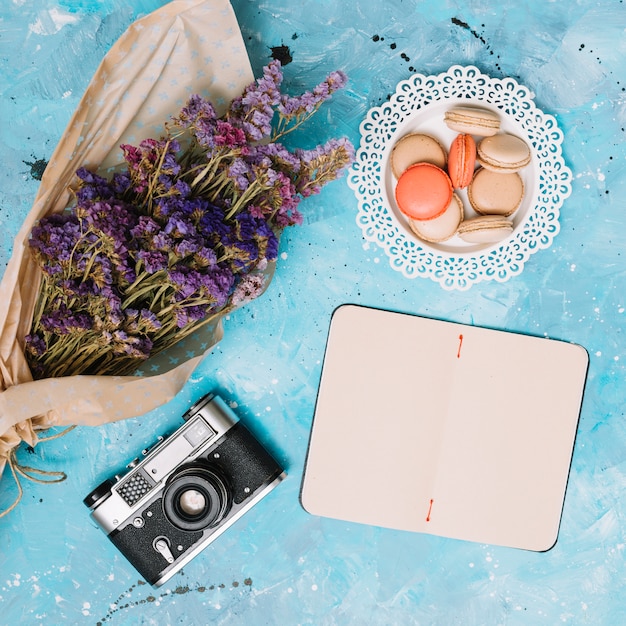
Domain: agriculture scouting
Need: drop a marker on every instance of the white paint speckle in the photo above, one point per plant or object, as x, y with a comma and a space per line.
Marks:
284, 256
86, 607
16, 582
314, 587
599, 353
572, 267
52, 23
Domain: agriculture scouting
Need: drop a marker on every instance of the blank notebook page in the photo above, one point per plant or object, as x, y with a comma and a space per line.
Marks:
444, 428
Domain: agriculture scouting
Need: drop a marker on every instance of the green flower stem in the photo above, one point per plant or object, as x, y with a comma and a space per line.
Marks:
146, 289
142, 276
86, 357
287, 125
42, 301
68, 347
159, 295
154, 179
208, 171
244, 199
216, 189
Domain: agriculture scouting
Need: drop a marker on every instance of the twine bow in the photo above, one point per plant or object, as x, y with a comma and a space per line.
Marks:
31, 473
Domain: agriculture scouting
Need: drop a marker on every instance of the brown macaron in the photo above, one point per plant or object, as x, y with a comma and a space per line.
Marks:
491, 193
416, 148
503, 153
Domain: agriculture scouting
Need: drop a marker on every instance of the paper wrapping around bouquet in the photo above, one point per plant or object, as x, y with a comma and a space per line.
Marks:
186, 47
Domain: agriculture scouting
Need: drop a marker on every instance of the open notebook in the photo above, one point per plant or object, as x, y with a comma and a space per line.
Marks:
444, 428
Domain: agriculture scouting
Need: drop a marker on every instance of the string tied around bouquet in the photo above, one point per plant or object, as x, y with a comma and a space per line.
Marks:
32, 473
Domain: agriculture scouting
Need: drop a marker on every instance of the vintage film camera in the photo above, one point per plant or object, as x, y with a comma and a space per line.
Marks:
186, 490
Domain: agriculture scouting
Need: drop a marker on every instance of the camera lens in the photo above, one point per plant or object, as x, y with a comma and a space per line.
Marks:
192, 502
196, 498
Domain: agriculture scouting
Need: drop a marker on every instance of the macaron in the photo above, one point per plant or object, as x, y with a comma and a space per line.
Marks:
462, 161
503, 153
472, 120
440, 228
423, 192
416, 148
491, 193
485, 229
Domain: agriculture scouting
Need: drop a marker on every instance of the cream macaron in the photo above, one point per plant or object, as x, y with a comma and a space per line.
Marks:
503, 153
485, 229
472, 120
491, 193
416, 148
440, 228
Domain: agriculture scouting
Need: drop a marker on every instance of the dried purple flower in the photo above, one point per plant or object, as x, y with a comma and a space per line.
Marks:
249, 287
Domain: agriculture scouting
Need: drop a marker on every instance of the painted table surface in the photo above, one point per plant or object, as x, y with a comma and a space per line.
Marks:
280, 565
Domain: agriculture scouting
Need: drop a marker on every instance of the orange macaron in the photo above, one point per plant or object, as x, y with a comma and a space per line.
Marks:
462, 161
424, 191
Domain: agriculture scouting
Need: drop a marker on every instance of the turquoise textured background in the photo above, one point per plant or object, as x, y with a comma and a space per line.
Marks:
280, 565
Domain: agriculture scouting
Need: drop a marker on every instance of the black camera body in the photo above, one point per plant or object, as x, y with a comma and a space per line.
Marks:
189, 487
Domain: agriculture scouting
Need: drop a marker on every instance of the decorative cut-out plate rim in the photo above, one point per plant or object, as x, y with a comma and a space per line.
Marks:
417, 106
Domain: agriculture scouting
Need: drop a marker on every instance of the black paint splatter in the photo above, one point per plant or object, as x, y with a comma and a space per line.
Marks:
461, 24
124, 602
405, 57
457, 22
37, 168
282, 54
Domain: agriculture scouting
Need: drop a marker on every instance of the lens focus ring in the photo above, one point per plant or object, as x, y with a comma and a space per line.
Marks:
196, 498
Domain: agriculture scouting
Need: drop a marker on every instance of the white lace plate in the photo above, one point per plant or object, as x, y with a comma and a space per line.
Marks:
418, 105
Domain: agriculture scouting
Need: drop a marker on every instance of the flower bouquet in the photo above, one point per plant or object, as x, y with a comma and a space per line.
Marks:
130, 260
184, 233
